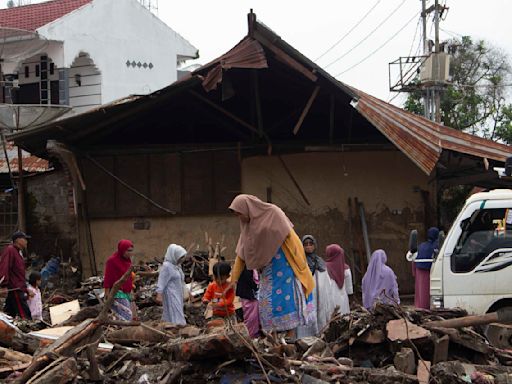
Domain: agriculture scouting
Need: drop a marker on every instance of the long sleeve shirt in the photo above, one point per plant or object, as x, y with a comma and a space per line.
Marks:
221, 301
12, 268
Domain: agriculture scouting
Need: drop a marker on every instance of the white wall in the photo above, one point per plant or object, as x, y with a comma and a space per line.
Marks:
114, 33
87, 94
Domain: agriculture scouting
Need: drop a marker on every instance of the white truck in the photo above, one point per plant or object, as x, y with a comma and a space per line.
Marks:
473, 268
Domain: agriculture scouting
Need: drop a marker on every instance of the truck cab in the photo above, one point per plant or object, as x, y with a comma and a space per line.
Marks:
473, 268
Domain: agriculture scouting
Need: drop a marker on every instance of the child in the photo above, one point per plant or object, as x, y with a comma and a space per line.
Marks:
217, 295
246, 289
34, 296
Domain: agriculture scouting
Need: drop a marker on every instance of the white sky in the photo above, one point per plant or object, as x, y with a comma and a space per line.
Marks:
312, 27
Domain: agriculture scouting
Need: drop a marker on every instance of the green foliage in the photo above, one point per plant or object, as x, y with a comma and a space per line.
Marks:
475, 101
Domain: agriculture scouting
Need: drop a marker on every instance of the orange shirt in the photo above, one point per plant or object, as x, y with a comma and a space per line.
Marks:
220, 301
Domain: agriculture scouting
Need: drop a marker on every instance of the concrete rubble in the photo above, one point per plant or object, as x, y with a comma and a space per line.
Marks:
389, 345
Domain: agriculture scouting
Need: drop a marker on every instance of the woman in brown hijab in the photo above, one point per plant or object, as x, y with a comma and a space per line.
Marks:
269, 244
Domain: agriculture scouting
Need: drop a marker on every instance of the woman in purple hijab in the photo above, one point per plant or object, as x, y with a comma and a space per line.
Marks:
379, 282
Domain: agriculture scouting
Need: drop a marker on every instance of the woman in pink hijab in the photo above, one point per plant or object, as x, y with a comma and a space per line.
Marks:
341, 277
379, 282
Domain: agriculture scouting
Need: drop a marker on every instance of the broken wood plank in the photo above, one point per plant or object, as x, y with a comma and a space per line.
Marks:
441, 346
64, 372
221, 344
402, 331
11, 355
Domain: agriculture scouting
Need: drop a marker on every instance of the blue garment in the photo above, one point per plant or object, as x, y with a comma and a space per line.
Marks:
426, 249
282, 306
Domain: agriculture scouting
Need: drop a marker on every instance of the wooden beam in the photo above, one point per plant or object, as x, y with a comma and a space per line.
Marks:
257, 99
306, 109
285, 58
331, 118
293, 180
224, 111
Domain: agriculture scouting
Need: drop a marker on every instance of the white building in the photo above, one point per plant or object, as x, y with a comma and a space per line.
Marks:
97, 51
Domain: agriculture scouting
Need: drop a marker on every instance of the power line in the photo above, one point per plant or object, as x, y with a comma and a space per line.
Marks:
368, 35
380, 47
350, 31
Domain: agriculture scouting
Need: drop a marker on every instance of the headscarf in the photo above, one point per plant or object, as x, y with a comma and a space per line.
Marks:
379, 277
117, 265
427, 248
262, 236
174, 254
335, 261
315, 262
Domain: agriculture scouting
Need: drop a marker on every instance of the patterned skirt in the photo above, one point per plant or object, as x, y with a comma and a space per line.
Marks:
282, 303
122, 309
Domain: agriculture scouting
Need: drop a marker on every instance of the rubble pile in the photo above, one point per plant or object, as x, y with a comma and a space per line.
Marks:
391, 344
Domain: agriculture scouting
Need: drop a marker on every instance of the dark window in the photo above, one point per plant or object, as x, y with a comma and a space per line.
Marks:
28, 94
54, 92
482, 234
27, 71
52, 68
37, 70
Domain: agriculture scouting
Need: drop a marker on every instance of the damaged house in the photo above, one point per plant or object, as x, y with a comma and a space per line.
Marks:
262, 119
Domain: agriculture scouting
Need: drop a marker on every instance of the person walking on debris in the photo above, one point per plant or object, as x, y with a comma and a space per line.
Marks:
269, 244
340, 273
322, 302
115, 268
421, 269
171, 284
12, 276
220, 295
379, 282
247, 290
34, 300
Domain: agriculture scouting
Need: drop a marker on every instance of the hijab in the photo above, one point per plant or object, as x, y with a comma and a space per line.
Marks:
262, 236
379, 277
335, 261
315, 262
117, 265
174, 254
426, 249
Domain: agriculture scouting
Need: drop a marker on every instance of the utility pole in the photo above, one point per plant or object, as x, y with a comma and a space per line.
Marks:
436, 64
426, 93
432, 66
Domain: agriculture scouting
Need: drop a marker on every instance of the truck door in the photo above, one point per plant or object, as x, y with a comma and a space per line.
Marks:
480, 258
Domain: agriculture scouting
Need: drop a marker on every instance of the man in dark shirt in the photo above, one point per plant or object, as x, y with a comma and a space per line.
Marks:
12, 276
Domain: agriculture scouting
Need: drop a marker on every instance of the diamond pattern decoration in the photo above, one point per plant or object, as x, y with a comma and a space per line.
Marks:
134, 64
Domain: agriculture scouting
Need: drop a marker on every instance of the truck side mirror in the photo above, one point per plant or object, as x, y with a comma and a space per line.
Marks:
413, 241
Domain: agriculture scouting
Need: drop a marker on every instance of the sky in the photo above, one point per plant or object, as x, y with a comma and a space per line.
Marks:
391, 29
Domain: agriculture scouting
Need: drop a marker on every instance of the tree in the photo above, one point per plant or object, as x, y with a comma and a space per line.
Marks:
475, 101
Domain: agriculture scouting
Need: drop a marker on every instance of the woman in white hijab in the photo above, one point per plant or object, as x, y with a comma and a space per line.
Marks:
171, 281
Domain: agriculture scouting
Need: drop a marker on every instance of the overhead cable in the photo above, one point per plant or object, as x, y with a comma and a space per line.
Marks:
367, 36
379, 48
349, 31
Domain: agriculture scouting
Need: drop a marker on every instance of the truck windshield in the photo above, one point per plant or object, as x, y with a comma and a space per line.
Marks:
482, 233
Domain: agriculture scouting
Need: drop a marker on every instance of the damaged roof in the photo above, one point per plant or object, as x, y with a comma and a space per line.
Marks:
292, 80
30, 163
33, 16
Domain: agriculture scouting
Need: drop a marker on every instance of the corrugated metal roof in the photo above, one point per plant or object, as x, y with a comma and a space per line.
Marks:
34, 16
30, 163
248, 54
421, 139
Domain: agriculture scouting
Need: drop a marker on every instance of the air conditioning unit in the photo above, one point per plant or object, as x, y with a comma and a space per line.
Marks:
436, 68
